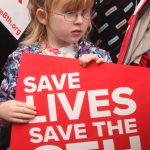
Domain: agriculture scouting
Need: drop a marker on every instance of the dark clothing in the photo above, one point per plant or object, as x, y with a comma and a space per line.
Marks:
110, 24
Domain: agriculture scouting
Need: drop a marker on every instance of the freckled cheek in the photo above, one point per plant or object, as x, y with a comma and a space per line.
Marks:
85, 27
87, 23
61, 29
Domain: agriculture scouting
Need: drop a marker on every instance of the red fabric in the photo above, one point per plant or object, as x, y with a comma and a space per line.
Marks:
20, 1
128, 35
144, 60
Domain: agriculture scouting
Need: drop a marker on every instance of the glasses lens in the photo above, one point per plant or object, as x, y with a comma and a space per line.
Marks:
87, 14
70, 16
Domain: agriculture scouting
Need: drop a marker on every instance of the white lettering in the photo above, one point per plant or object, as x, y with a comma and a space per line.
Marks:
75, 112
125, 101
44, 83
130, 128
94, 103
37, 137
73, 78
80, 131
50, 134
28, 81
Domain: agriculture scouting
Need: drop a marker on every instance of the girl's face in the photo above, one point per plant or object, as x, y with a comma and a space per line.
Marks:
67, 26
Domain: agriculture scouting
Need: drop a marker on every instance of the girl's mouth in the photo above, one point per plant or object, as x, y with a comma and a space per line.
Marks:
77, 32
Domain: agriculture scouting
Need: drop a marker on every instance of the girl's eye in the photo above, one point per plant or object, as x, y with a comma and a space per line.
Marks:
86, 11
70, 13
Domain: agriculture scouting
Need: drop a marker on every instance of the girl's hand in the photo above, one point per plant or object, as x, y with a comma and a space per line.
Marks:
17, 112
87, 58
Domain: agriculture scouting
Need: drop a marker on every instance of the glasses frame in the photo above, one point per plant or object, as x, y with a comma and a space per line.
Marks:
76, 13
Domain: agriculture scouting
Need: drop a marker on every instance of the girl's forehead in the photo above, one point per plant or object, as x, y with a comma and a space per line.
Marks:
59, 5
72, 4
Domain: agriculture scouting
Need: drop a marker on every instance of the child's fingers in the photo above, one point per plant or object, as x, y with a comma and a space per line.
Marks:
14, 111
100, 60
23, 116
22, 107
26, 105
18, 120
87, 58
19, 117
24, 110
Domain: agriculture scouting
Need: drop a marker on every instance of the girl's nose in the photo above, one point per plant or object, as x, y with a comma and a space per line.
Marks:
79, 18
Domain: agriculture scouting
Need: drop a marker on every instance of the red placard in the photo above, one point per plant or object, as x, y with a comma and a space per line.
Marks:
103, 106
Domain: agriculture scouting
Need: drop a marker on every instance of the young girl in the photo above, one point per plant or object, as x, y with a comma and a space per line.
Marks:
58, 28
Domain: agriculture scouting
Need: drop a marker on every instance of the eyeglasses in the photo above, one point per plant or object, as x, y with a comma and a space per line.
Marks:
72, 15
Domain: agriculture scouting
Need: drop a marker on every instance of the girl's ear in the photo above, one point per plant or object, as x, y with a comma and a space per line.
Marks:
41, 16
